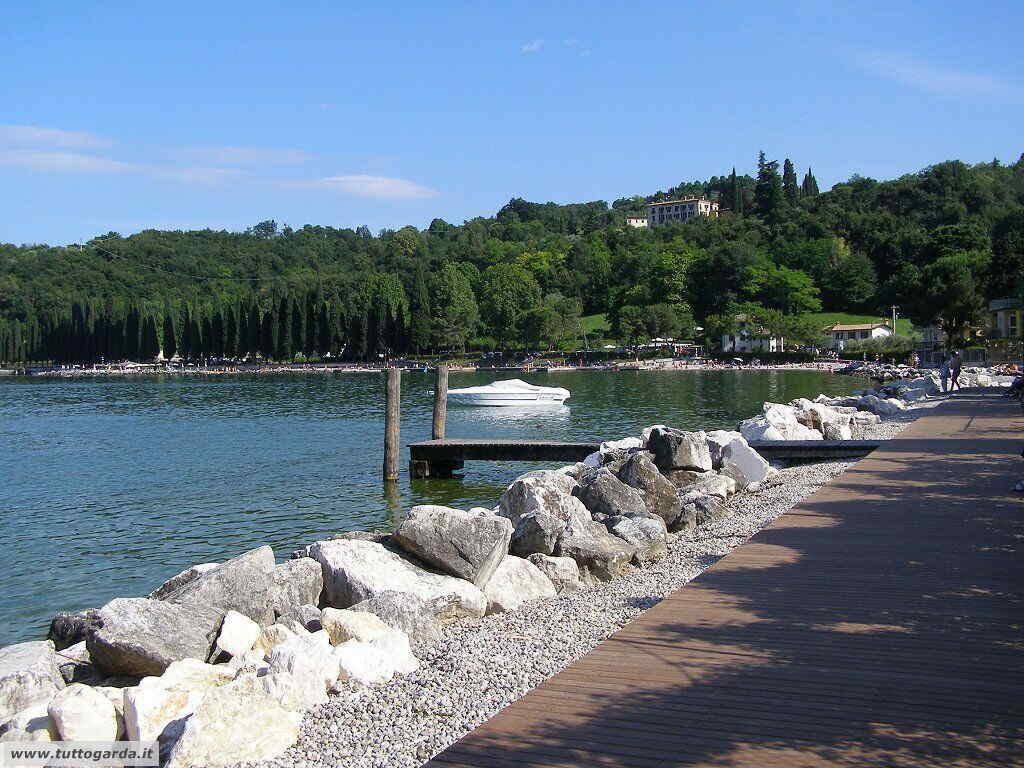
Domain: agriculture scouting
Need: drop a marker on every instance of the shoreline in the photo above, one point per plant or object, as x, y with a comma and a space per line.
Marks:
482, 665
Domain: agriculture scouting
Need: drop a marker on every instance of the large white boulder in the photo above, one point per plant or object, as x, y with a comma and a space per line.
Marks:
516, 581
777, 422
28, 675
359, 570
235, 723
464, 544
881, 406
743, 464
405, 611
363, 663
717, 440
395, 645
157, 702
30, 724
81, 713
312, 669
540, 506
714, 484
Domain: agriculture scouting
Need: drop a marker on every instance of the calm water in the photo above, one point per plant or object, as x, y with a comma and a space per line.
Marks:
108, 487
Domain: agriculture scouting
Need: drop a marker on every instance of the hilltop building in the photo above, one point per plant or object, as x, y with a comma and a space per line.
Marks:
842, 333
637, 220
680, 210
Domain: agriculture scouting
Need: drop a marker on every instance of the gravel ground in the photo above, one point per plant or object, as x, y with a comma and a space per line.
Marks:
480, 666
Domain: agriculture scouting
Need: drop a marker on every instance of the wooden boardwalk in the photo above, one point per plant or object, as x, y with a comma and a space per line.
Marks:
878, 623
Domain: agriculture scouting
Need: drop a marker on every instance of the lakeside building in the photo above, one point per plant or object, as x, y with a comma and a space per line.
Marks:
843, 333
748, 338
680, 210
1007, 317
637, 220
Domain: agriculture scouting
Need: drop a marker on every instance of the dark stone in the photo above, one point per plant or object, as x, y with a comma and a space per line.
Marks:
659, 494
605, 494
67, 629
244, 584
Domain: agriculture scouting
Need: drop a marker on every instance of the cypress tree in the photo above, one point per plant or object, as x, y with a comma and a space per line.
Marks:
768, 192
810, 184
217, 328
169, 340
255, 328
789, 185
283, 347
268, 332
737, 194
298, 335
420, 330
149, 344
230, 333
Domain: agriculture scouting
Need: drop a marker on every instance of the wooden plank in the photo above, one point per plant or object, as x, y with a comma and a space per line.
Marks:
879, 622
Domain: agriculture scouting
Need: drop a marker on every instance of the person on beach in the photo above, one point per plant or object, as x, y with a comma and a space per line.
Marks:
954, 371
944, 375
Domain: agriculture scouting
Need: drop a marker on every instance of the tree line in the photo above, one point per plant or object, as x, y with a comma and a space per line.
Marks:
939, 243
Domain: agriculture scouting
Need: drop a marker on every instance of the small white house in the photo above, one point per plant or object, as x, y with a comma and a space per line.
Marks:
748, 338
843, 334
636, 220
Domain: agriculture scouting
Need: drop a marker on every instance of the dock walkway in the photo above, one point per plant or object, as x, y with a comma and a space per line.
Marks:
879, 622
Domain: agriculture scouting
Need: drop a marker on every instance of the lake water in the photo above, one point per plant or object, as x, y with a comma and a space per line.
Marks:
110, 486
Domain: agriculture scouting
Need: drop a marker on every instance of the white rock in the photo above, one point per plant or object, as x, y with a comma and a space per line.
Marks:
343, 625
364, 663
28, 675
235, 723
310, 668
625, 444
516, 581
395, 645
156, 702
717, 440
358, 570
238, 634
712, 484
563, 571
743, 464
30, 724
82, 714
275, 634
593, 460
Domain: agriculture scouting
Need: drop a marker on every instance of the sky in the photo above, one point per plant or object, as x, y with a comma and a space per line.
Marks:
130, 116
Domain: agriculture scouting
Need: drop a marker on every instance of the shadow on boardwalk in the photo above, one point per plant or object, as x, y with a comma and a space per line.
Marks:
878, 623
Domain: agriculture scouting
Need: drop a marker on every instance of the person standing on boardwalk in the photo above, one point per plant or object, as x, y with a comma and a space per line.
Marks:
954, 371
944, 374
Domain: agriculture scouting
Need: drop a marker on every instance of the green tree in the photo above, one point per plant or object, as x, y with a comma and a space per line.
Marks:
509, 292
768, 197
455, 314
954, 292
809, 187
789, 184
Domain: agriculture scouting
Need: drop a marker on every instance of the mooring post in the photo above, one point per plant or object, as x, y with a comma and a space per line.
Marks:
440, 402
392, 424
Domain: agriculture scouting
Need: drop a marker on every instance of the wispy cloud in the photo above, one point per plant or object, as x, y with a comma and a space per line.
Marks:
201, 165
577, 46
73, 162
246, 156
34, 136
379, 187
532, 47
906, 69
76, 162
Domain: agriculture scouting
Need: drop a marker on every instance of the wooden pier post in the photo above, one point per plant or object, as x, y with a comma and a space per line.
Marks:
392, 424
440, 402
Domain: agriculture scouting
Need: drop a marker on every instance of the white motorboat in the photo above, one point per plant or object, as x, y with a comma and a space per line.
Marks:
509, 392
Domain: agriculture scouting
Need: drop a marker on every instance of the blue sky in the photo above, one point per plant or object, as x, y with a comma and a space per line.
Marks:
129, 116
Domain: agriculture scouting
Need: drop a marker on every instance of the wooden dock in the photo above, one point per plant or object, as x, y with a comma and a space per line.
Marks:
440, 458
880, 622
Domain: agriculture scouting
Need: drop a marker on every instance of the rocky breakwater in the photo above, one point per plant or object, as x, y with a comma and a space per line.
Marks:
220, 662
